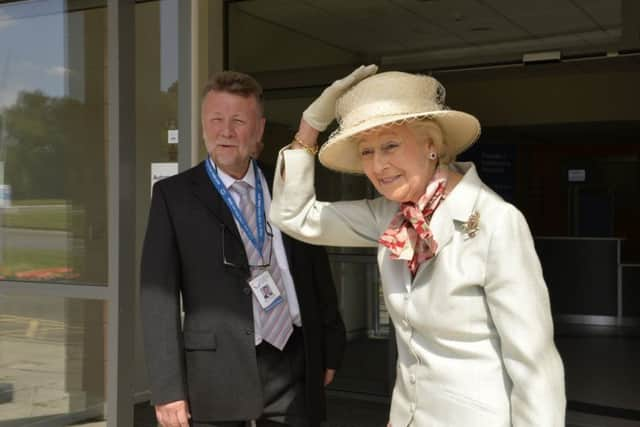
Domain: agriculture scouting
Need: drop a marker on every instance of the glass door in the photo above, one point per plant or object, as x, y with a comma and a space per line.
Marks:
53, 211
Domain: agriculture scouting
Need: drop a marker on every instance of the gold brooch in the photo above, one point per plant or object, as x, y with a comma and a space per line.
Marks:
472, 225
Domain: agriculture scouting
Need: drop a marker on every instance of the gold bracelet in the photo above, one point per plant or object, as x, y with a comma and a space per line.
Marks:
311, 150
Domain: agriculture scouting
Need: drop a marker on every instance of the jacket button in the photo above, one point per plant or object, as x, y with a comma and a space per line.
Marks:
247, 291
248, 331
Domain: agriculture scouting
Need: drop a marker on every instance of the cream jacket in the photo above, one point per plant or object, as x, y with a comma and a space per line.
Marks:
473, 328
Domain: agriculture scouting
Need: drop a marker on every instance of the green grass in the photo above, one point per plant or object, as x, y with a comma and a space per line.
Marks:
55, 217
50, 218
34, 258
32, 202
21, 260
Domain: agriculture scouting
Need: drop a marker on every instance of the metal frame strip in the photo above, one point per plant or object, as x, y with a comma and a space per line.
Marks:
185, 82
121, 211
48, 289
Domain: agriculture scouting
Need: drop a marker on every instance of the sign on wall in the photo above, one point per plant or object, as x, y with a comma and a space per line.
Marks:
162, 170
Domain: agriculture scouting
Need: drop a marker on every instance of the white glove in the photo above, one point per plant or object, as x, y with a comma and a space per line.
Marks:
322, 111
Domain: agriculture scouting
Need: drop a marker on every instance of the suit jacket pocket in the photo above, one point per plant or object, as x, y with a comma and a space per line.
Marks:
199, 340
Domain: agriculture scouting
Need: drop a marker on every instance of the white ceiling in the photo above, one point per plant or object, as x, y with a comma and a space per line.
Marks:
449, 32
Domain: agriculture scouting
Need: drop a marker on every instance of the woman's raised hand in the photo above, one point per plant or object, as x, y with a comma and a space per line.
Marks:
322, 111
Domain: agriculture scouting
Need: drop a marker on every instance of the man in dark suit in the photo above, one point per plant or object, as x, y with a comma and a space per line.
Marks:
262, 334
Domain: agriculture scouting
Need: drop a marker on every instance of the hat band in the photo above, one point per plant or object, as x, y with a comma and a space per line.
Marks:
403, 117
368, 111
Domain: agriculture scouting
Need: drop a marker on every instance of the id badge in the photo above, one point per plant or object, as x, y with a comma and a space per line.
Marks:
265, 290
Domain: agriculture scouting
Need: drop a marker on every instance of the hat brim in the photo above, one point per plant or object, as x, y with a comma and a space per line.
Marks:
341, 153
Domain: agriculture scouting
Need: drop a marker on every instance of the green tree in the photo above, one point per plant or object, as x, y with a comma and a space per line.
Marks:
41, 130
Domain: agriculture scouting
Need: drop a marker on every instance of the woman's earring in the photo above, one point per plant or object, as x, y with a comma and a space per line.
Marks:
432, 155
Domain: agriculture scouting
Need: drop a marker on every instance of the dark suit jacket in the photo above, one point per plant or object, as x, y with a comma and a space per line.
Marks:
211, 361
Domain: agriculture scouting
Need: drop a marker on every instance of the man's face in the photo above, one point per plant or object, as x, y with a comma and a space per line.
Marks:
232, 125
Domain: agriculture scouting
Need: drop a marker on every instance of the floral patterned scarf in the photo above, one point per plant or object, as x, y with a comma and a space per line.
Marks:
408, 235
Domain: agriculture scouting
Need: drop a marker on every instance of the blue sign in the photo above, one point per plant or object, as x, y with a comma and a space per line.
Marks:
5, 195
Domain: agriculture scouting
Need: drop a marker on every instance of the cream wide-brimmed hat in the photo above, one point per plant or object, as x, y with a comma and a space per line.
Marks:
387, 98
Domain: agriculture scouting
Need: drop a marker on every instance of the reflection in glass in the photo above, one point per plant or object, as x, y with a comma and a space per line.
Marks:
360, 293
52, 360
365, 368
53, 163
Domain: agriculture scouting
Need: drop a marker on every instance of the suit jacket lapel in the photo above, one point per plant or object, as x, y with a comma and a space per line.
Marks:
442, 226
461, 202
454, 210
287, 241
457, 207
207, 194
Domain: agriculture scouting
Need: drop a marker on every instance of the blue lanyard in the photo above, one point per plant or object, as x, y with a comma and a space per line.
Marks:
257, 241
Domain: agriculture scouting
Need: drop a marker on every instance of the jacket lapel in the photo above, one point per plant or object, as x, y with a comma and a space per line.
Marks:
462, 200
287, 241
455, 210
207, 194
442, 226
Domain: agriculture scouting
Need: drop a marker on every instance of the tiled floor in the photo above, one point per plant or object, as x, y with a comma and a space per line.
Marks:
602, 370
367, 414
602, 376
344, 412
580, 419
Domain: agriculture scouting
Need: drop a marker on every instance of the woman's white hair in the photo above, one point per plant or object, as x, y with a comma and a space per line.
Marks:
424, 129
428, 130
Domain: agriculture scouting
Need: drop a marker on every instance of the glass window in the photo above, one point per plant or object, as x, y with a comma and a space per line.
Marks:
53, 142
53, 189
52, 360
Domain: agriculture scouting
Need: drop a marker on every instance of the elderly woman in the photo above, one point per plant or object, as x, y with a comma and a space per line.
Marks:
461, 278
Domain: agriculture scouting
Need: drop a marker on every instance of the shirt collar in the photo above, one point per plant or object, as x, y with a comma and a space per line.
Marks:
228, 180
